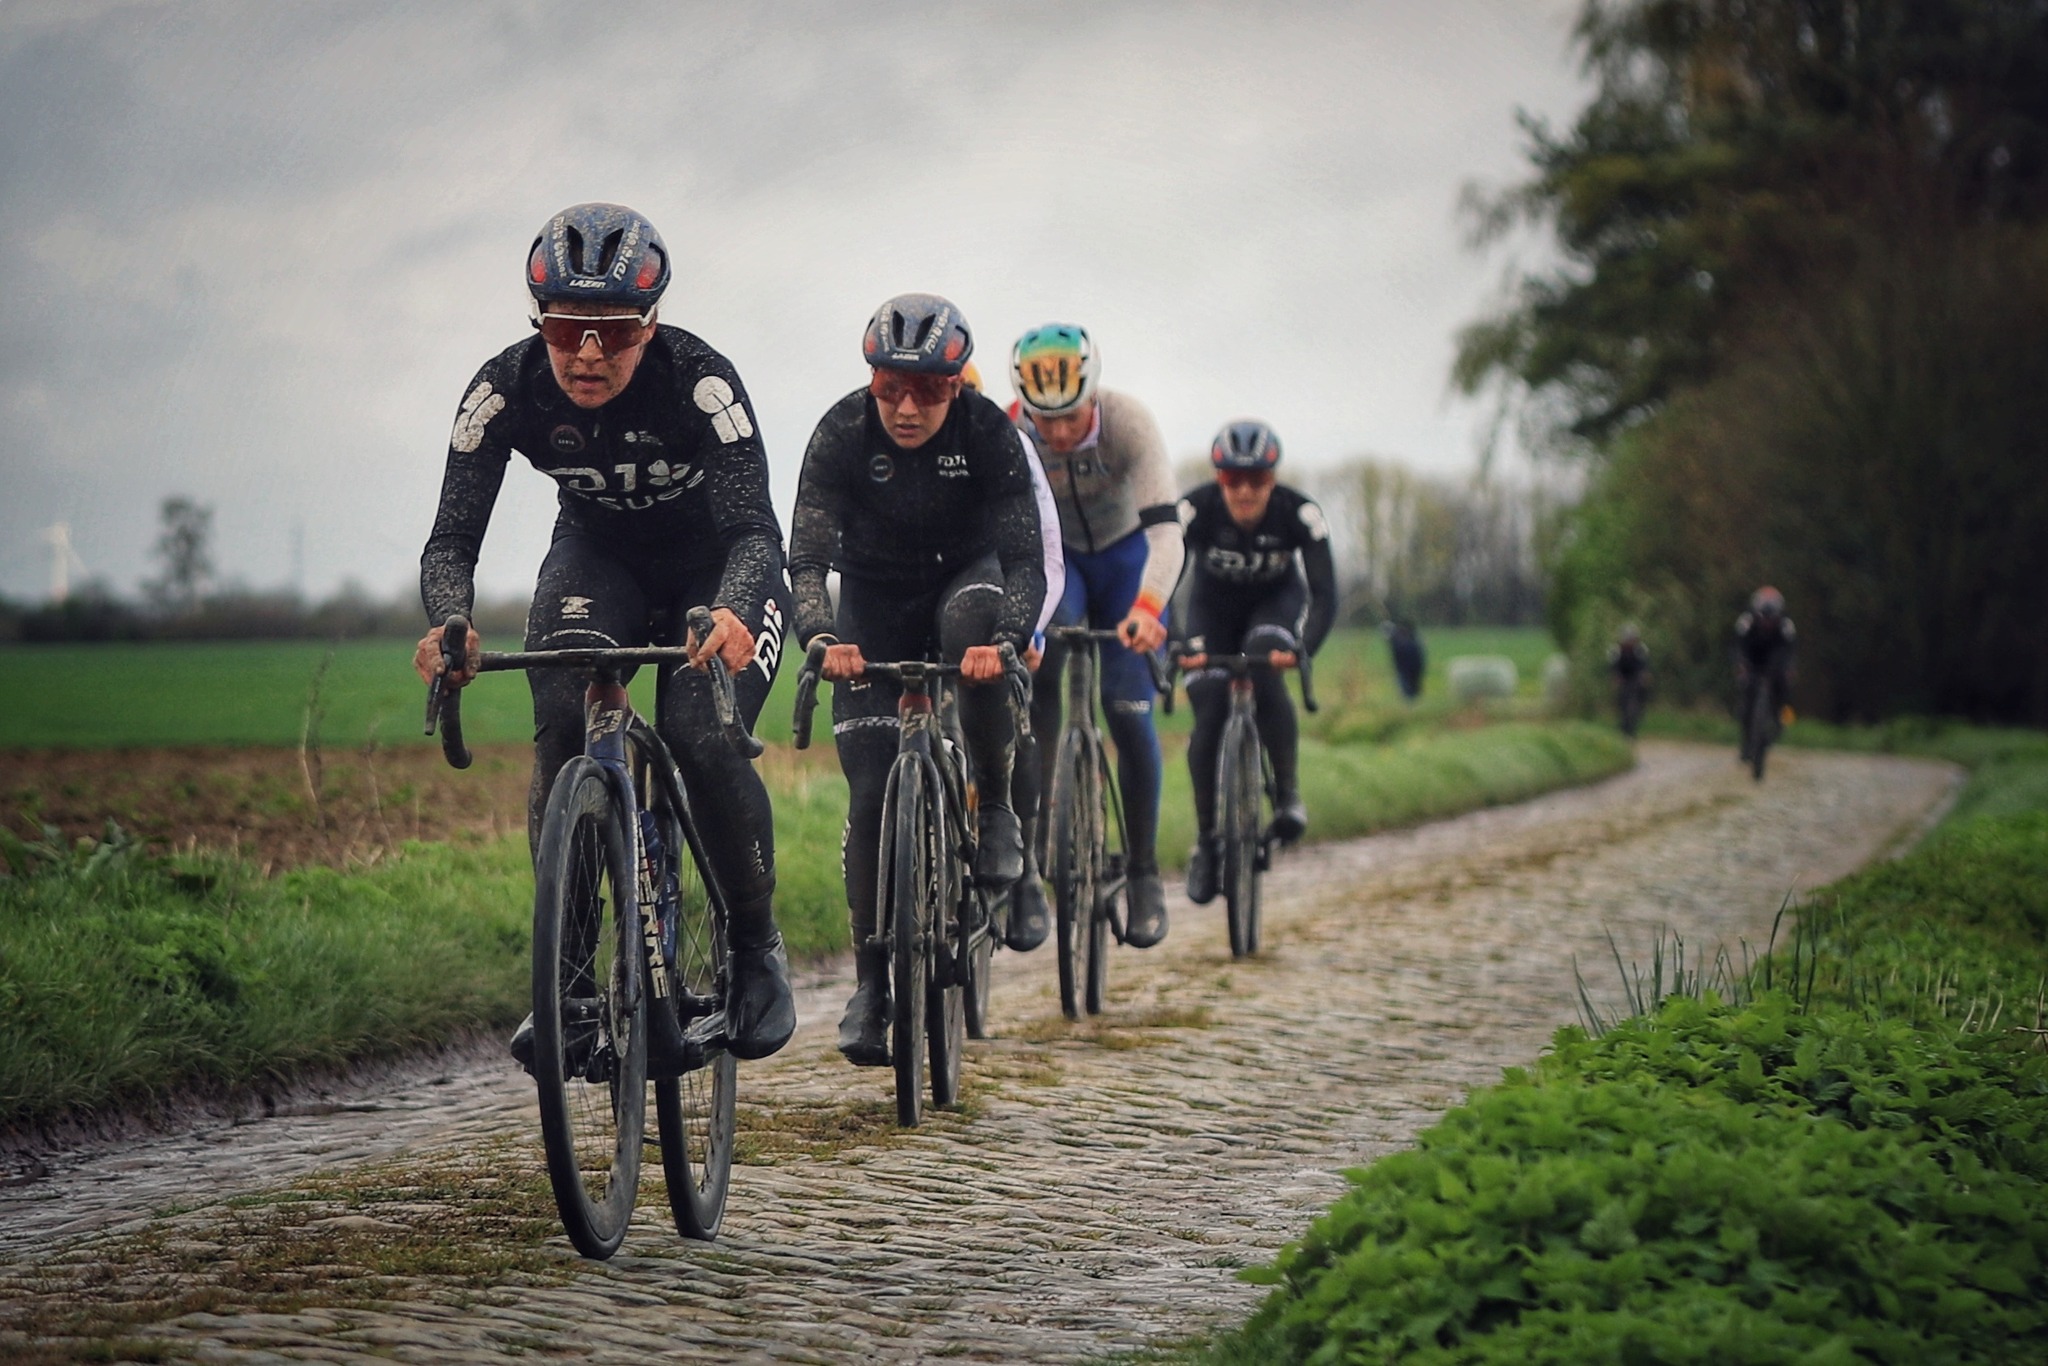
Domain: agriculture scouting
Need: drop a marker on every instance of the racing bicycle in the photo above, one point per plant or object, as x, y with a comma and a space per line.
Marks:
937, 928
629, 949
1085, 827
1244, 783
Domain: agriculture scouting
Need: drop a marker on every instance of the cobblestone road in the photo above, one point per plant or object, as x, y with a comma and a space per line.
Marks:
1095, 1194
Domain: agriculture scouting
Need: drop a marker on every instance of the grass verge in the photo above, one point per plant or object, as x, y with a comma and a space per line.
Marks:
1840, 1155
126, 978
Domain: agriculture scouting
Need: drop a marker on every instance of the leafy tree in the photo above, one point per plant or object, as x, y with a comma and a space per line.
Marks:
1738, 148
184, 550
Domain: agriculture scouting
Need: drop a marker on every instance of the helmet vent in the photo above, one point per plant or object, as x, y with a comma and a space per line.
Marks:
575, 250
609, 251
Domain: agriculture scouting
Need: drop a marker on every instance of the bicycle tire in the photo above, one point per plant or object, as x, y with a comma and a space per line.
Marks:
695, 1114
1759, 730
1237, 805
591, 1080
980, 983
1074, 801
905, 898
1097, 987
947, 963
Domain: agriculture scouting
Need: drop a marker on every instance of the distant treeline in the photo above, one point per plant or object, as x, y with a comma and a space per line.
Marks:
1798, 338
94, 613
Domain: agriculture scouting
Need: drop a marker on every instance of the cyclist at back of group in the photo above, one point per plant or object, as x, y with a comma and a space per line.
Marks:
1262, 583
1628, 659
662, 485
919, 492
1764, 644
1113, 486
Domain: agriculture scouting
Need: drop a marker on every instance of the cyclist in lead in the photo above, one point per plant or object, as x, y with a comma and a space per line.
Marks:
919, 492
1113, 486
1764, 643
662, 485
1263, 582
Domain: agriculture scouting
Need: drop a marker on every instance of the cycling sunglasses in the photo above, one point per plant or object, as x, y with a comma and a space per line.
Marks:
615, 332
891, 387
1244, 479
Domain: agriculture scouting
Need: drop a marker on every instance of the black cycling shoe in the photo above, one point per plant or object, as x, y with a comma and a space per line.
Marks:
1202, 872
864, 1028
1290, 818
1147, 924
760, 1014
999, 858
1030, 922
580, 1043
522, 1044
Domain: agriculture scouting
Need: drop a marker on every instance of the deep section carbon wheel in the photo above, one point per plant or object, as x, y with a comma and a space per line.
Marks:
589, 1007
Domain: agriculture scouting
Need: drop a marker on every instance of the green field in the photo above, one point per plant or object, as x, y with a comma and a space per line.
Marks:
261, 692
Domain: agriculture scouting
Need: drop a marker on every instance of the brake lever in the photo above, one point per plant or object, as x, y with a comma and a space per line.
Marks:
807, 690
722, 700
444, 703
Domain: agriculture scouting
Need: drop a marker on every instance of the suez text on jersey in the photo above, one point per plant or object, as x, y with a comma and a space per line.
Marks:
664, 481
1242, 564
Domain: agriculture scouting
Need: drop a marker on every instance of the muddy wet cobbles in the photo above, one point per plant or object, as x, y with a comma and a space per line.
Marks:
1096, 1193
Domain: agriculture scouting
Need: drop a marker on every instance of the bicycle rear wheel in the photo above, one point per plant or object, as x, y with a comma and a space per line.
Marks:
948, 963
1239, 788
1759, 730
975, 991
589, 1009
1076, 804
906, 897
695, 1112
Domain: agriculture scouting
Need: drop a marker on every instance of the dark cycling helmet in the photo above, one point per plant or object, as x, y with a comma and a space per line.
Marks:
1245, 445
1767, 602
918, 332
606, 253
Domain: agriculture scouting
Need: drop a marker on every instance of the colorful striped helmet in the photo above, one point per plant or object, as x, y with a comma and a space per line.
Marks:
1053, 368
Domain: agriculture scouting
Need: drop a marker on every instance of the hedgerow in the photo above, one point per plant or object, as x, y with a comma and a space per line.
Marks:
1844, 1161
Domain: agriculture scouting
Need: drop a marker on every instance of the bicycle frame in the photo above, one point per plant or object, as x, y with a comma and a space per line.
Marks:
608, 719
1082, 672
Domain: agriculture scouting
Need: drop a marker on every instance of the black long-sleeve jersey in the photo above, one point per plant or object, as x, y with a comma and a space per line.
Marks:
672, 468
912, 519
1764, 645
1293, 538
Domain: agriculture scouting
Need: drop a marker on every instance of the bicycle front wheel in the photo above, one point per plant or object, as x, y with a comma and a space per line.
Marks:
1759, 730
589, 1011
1076, 804
695, 1113
907, 897
1239, 788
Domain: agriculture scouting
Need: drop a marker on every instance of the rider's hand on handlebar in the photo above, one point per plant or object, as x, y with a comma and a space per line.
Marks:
1281, 659
426, 660
842, 662
1141, 631
729, 639
981, 664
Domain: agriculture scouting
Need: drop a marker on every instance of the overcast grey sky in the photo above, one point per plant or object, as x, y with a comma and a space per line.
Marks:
256, 249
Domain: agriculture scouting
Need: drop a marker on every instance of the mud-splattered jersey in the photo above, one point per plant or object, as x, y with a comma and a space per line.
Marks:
912, 519
1293, 538
672, 467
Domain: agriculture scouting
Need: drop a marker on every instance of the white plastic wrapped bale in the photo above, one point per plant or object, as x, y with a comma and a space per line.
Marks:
1475, 677
1557, 681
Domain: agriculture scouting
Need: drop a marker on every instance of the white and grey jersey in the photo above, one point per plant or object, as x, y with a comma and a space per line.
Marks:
1117, 482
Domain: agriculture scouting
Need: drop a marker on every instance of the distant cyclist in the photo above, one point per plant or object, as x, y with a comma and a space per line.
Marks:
1113, 486
1263, 583
1765, 640
663, 490
1628, 659
919, 492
